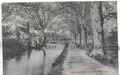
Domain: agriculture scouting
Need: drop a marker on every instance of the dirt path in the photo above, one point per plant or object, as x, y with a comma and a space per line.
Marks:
78, 63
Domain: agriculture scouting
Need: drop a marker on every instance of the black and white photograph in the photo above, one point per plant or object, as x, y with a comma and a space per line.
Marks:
60, 38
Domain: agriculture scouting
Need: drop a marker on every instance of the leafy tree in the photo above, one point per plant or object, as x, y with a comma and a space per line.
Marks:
98, 17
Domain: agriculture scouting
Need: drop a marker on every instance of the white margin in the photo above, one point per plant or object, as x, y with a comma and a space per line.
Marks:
2, 1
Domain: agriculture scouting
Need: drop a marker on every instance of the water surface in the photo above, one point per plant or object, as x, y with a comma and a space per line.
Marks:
32, 62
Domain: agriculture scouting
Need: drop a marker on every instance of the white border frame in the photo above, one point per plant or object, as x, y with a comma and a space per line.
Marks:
2, 1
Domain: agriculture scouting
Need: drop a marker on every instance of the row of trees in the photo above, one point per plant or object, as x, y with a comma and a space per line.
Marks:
86, 21
90, 19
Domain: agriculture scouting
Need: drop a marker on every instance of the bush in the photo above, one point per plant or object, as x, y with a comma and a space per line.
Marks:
12, 47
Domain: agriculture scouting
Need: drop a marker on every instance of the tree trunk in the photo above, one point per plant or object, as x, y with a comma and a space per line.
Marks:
80, 34
43, 37
97, 29
43, 41
79, 40
75, 38
102, 21
28, 32
83, 37
18, 34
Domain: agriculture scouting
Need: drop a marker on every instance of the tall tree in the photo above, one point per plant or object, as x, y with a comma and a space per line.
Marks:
97, 26
98, 17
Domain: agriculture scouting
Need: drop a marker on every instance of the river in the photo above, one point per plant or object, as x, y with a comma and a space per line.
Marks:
32, 62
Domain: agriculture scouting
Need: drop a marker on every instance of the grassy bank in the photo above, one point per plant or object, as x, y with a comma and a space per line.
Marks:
57, 66
111, 57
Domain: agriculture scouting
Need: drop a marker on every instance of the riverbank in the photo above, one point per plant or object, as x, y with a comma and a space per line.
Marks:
57, 66
15, 48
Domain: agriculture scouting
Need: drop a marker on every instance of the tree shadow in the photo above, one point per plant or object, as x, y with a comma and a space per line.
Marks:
43, 64
29, 53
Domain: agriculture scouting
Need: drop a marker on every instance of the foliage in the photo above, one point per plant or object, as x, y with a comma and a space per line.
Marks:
35, 24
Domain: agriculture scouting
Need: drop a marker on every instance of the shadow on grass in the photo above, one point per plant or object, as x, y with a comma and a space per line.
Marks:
57, 66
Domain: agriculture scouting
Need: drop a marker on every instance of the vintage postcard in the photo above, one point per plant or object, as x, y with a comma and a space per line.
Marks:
60, 38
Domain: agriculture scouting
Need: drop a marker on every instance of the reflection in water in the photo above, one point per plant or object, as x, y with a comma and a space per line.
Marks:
43, 66
29, 52
18, 58
32, 62
35, 63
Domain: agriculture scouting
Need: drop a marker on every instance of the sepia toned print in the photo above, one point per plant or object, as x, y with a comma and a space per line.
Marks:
60, 38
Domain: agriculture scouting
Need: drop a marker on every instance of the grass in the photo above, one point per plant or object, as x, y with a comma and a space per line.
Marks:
111, 56
57, 66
